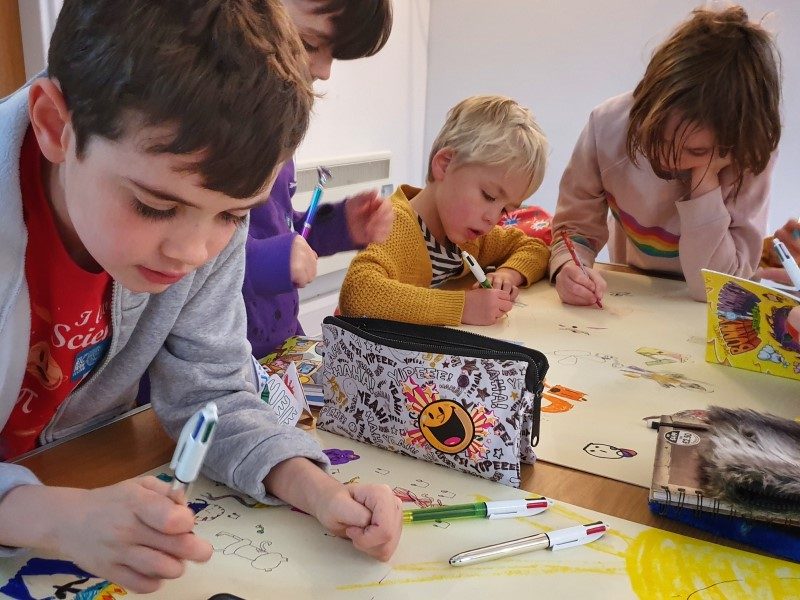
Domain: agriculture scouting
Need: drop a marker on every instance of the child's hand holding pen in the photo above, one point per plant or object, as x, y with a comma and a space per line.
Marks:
580, 287
302, 262
491, 297
485, 306
577, 284
505, 279
131, 533
789, 234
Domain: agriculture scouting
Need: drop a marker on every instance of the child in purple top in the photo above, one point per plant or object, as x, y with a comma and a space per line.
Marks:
278, 260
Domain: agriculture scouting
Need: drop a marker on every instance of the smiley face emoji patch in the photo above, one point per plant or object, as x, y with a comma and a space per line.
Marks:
446, 426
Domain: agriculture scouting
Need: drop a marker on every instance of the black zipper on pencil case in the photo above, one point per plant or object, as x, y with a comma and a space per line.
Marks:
407, 336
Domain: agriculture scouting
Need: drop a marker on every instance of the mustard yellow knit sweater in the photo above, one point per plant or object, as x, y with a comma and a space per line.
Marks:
392, 280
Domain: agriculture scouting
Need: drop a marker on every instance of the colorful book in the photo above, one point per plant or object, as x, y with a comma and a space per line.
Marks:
747, 326
677, 493
305, 353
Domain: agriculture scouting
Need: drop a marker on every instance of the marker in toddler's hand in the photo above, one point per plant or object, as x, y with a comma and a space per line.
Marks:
571, 247
788, 262
476, 270
500, 509
192, 447
323, 175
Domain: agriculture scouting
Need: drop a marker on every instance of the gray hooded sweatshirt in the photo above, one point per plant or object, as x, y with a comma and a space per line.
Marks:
191, 338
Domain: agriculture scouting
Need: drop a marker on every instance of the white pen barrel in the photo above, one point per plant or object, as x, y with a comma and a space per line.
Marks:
788, 262
793, 271
501, 550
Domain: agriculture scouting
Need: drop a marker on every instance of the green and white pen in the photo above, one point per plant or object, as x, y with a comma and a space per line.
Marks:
499, 509
476, 270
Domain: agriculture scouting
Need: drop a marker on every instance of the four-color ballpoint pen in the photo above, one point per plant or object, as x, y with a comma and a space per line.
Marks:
500, 509
191, 448
788, 262
555, 540
476, 270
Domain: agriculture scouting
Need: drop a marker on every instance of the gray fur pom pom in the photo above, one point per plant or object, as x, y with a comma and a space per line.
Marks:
754, 462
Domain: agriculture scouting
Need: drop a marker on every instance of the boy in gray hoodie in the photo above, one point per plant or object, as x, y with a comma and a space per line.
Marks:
126, 178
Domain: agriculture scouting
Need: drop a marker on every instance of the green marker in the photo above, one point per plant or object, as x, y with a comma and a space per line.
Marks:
501, 509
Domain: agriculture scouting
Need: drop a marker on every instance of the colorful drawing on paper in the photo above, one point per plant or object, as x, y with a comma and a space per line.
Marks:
659, 319
340, 457
421, 499
608, 451
661, 357
293, 556
747, 326
668, 380
42, 578
560, 398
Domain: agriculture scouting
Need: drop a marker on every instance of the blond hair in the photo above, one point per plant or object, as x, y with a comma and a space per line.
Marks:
492, 131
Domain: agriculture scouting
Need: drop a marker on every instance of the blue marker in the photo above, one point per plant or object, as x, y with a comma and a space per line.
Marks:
323, 174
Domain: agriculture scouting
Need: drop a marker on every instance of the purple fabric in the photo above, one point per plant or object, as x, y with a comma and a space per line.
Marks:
271, 300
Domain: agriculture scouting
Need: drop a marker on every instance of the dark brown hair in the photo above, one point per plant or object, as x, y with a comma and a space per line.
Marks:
228, 76
717, 70
361, 27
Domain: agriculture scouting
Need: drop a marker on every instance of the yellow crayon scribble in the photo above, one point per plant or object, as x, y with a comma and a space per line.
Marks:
666, 565
435, 572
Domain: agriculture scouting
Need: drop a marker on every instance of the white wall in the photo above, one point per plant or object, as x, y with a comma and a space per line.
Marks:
563, 57
37, 19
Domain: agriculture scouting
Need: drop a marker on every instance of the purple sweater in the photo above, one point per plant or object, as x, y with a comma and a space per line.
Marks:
270, 297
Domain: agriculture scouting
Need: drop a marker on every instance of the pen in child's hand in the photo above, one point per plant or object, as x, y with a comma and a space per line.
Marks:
191, 449
568, 243
788, 262
323, 175
476, 270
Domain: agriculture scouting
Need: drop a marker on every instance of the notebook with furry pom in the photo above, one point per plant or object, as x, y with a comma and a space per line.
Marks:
732, 472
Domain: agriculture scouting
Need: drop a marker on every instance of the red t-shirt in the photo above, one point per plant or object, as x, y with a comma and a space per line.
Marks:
70, 324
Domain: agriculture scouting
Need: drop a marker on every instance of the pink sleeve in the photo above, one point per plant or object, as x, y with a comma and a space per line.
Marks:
582, 208
724, 236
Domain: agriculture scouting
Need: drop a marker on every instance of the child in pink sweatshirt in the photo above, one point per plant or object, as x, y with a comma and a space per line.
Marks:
683, 162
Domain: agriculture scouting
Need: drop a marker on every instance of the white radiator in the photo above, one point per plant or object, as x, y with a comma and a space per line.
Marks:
350, 175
